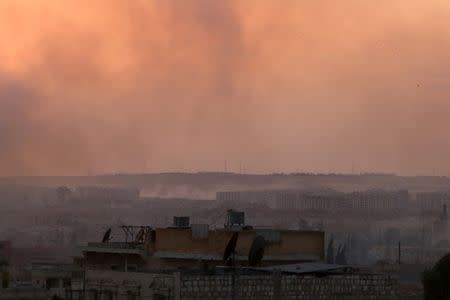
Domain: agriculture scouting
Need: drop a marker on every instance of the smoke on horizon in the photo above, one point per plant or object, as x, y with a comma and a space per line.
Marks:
109, 85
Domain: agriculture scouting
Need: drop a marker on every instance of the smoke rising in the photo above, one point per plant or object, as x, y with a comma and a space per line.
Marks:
140, 86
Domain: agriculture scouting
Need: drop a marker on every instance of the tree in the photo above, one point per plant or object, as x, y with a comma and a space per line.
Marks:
436, 281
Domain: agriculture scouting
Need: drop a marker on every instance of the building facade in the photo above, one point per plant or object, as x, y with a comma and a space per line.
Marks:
433, 200
168, 248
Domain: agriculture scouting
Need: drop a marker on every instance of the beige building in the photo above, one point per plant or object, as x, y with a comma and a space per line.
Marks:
177, 247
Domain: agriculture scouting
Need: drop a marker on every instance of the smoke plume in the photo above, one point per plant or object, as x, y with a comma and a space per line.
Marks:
145, 85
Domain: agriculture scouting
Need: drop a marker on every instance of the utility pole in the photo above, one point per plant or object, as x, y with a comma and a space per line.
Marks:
423, 235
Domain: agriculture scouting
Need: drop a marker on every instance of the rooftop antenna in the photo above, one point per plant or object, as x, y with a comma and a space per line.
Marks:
256, 253
107, 236
230, 250
423, 234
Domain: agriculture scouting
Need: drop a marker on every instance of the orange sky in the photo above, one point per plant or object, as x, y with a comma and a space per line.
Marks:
146, 85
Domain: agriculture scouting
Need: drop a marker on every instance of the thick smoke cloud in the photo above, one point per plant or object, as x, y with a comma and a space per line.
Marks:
111, 86
14, 109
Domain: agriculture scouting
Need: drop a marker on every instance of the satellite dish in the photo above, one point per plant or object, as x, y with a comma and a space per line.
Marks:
256, 253
230, 250
107, 236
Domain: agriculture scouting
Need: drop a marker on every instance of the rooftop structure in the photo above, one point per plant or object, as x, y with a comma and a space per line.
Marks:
197, 245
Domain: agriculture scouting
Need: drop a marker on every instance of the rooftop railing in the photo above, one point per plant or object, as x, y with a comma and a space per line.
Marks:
117, 245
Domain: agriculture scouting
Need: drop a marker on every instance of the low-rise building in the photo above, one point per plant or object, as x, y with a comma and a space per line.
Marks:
433, 200
185, 247
61, 280
378, 199
237, 198
106, 195
241, 284
319, 199
194, 245
325, 199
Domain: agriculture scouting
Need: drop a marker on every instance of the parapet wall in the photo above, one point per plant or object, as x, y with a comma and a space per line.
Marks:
278, 286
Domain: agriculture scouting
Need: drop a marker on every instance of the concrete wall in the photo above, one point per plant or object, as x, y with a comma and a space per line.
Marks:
277, 286
130, 285
115, 285
24, 294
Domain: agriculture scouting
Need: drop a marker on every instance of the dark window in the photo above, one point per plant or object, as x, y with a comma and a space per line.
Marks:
52, 283
93, 295
159, 297
67, 282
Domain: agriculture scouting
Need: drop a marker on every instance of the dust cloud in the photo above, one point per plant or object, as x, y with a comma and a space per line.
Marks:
146, 86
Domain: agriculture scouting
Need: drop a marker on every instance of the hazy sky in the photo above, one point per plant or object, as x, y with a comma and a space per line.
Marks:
95, 86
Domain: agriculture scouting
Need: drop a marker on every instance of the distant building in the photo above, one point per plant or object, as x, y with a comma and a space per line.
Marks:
62, 280
107, 195
319, 199
378, 199
304, 200
236, 198
441, 229
26, 195
433, 200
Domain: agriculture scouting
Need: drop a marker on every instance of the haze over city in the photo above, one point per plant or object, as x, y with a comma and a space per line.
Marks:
224, 149
91, 87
